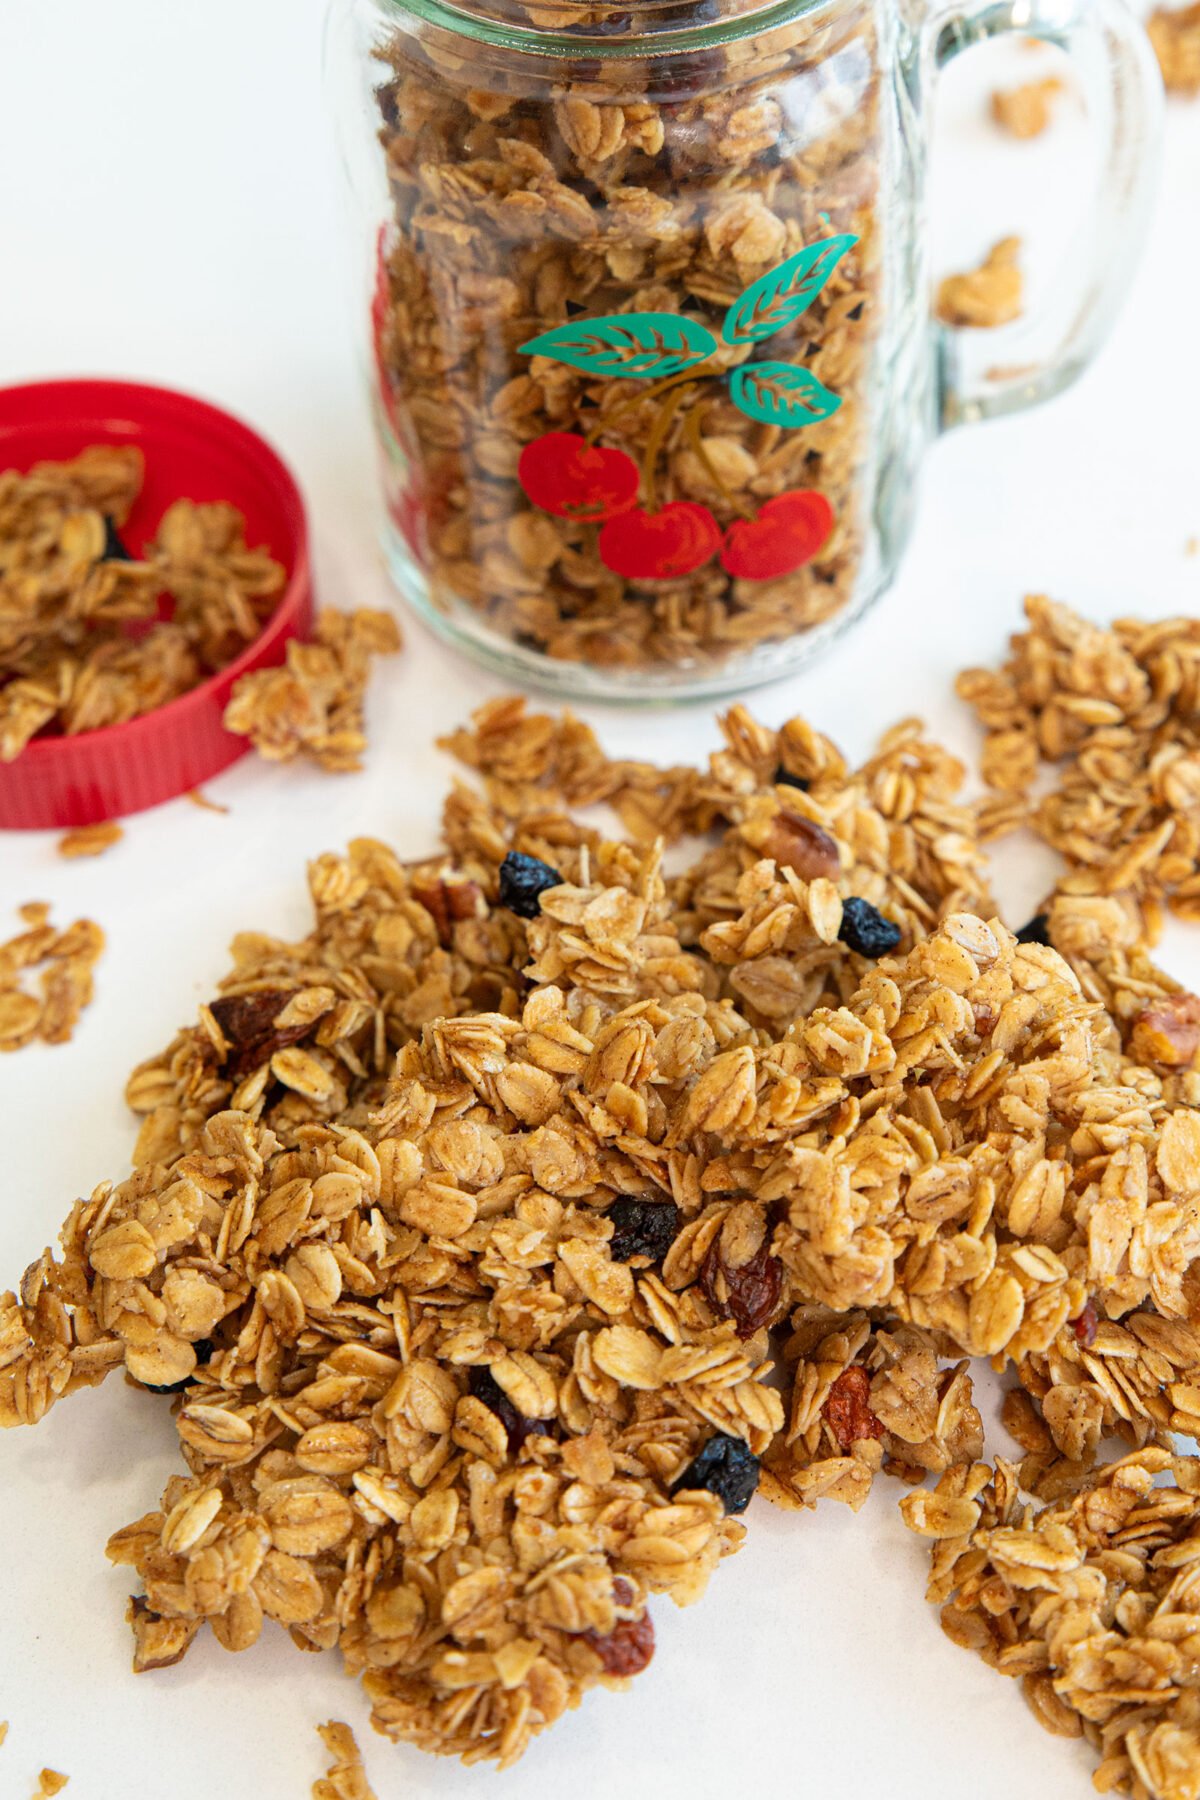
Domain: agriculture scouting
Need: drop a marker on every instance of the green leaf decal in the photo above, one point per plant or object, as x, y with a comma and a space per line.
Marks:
634, 345
780, 296
779, 393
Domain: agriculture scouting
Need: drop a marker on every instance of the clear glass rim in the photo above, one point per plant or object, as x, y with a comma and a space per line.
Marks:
534, 41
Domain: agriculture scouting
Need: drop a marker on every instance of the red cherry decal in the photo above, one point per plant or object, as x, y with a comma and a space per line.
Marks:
642, 545
787, 533
565, 475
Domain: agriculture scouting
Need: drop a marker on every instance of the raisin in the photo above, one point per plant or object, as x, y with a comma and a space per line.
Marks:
1085, 1325
794, 842
1167, 1032
865, 930
114, 548
726, 1467
749, 1295
784, 778
643, 1228
248, 1024
1037, 931
627, 1649
848, 1409
446, 902
523, 881
483, 1384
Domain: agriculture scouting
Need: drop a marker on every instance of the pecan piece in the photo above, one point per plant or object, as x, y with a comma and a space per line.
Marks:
1167, 1031
795, 842
247, 1022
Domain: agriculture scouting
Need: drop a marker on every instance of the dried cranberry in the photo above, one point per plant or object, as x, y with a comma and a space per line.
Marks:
643, 1228
784, 778
1037, 931
114, 548
622, 1591
247, 1022
726, 1467
628, 1647
848, 1409
865, 930
1085, 1325
523, 881
483, 1384
749, 1295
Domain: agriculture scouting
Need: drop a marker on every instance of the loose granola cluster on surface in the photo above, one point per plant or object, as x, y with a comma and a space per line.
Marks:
665, 185
83, 644
66, 960
503, 1236
988, 296
313, 706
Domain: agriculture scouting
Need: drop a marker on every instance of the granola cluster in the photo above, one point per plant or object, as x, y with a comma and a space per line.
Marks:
503, 1236
666, 185
988, 296
66, 961
83, 640
313, 705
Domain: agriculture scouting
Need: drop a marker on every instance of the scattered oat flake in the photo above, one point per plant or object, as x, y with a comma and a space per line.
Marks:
988, 296
1026, 111
90, 840
347, 1778
1175, 35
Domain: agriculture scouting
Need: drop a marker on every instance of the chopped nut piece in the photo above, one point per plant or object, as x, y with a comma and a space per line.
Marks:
987, 296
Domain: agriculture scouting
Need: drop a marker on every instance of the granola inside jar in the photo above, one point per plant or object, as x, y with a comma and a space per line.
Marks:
639, 335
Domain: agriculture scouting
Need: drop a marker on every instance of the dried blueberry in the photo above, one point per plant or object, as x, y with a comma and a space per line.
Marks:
174, 1387
784, 778
642, 1228
728, 1468
523, 881
1037, 930
483, 1384
866, 930
114, 549
205, 1350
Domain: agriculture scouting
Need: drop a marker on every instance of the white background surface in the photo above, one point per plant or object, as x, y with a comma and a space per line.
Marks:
168, 209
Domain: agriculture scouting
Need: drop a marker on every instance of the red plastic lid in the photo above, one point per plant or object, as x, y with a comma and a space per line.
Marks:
193, 451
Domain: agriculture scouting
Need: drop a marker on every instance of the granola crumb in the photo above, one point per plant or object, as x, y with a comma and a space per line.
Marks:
3, 1730
314, 705
65, 961
50, 1782
202, 800
346, 1778
1026, 111
90, 840
1175, 35
988, 296
1192, 546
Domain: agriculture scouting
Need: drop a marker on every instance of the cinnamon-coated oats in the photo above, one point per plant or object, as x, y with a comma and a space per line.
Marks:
313, 706
492, 1258
70, 591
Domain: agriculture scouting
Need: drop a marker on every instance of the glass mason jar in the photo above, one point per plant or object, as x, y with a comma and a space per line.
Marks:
650, 345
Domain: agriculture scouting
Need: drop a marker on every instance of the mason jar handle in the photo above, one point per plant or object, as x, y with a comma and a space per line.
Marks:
1046, 351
